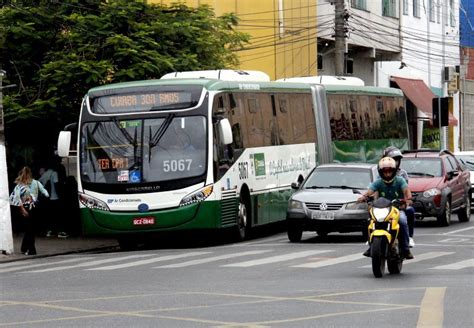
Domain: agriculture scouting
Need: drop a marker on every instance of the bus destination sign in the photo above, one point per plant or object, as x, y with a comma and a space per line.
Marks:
142, 102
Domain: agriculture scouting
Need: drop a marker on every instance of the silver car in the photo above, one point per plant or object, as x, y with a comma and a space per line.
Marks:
326, 200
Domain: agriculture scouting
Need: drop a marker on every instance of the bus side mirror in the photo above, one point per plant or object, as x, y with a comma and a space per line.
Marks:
64, 143
225, 131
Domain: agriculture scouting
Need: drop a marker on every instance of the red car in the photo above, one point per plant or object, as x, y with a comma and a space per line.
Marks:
439, 183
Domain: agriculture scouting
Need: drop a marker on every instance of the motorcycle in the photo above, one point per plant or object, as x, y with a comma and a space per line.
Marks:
383, 231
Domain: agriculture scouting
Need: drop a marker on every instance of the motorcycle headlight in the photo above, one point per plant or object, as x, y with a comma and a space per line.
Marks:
295, 205
380, 214
93, 203
197, 196
431, 192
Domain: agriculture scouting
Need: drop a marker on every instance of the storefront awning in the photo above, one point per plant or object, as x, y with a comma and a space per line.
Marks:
420, 95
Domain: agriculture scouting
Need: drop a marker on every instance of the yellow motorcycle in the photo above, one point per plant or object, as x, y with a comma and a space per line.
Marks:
383, 231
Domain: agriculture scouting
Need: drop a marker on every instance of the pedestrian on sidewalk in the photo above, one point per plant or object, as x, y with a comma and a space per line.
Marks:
25, 197
52, 209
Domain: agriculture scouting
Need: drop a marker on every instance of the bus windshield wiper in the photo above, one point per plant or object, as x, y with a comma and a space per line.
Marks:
316, 187
343, 187
159, 133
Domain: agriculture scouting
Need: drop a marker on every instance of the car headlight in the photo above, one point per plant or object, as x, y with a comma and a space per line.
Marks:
93, 203
431, 192
295, 205
380, 214
197, 196
356, 206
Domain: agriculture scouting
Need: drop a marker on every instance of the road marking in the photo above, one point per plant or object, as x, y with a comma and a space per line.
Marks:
44, 264
421, 257
274, 259
156, 259
456, 231
92, 263
432, 309
211, 259
456, 266
327, 262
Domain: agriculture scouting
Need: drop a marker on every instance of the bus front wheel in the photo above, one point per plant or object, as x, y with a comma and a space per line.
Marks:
243, 219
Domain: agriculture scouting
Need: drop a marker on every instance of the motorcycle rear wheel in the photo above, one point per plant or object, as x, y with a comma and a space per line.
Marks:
377, 252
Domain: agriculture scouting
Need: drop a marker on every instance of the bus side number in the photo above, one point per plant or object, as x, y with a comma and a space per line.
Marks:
243, 170
177, 165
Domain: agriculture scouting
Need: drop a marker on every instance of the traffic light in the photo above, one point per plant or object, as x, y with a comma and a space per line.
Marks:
440, 111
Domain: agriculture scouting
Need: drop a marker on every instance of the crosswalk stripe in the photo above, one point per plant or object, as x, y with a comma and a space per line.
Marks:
153, 260
44, 264
456, 266
327, 262
211, 259
421, 257
92, 263
273, 259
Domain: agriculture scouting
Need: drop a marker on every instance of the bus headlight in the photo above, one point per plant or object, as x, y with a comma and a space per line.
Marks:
197, 196
93, 203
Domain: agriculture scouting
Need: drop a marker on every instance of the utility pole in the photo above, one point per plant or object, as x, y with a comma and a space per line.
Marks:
340, 41
6, 236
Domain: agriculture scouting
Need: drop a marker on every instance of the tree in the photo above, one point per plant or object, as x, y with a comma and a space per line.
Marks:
54, 51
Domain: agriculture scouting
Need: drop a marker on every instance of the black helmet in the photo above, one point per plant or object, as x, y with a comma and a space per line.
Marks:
387, 164
394, 153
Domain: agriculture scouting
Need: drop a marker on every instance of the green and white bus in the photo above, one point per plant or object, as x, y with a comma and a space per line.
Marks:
183, 154
186, 154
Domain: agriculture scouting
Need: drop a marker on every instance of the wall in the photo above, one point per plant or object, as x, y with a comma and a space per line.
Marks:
283, 34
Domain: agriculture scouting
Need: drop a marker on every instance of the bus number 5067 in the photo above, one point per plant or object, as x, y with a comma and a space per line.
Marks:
243, 170
177, 165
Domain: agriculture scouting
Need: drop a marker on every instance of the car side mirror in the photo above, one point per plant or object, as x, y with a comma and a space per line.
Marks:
295, 185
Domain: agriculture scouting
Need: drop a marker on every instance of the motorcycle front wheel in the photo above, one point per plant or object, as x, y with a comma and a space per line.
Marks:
378, 253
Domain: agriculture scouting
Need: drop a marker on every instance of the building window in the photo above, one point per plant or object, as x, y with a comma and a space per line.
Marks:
359, 4
431, 10
405, 7
452, 17
389, 8
416, 8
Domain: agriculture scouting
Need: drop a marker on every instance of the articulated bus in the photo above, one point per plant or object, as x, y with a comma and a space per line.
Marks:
164, 155
187, 154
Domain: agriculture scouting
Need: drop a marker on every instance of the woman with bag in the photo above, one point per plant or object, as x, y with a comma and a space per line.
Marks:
25, 197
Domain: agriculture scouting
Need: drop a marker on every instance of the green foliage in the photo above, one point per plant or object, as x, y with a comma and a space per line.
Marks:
54, 51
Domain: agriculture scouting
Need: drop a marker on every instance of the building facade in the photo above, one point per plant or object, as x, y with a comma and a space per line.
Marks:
283, 33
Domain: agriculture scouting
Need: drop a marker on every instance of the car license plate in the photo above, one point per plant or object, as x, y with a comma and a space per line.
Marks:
149, 220
322, 215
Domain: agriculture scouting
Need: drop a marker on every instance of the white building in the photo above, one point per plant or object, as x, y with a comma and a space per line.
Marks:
410, 44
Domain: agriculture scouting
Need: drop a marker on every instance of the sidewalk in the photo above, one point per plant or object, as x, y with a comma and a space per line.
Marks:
58, 246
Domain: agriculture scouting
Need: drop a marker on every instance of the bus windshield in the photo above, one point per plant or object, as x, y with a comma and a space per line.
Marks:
143, 150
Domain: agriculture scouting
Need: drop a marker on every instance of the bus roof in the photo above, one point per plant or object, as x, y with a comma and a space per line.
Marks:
220, 74
326, 80
209, 84
216, 85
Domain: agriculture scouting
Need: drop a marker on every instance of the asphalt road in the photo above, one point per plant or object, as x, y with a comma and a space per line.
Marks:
264, 282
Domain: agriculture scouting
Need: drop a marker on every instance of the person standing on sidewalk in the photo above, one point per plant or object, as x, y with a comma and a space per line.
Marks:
53, 208
25, 197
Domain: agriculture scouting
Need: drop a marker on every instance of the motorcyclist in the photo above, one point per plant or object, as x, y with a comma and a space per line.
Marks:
396, 154
392, 186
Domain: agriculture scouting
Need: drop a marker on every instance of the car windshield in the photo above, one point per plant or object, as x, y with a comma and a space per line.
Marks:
468, 160
143, 150
339, 178
422, 167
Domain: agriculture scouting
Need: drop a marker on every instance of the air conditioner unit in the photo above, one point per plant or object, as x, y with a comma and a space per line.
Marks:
448, 73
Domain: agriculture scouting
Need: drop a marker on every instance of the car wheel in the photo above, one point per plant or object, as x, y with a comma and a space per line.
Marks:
294, 233
444, 219
464, 214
